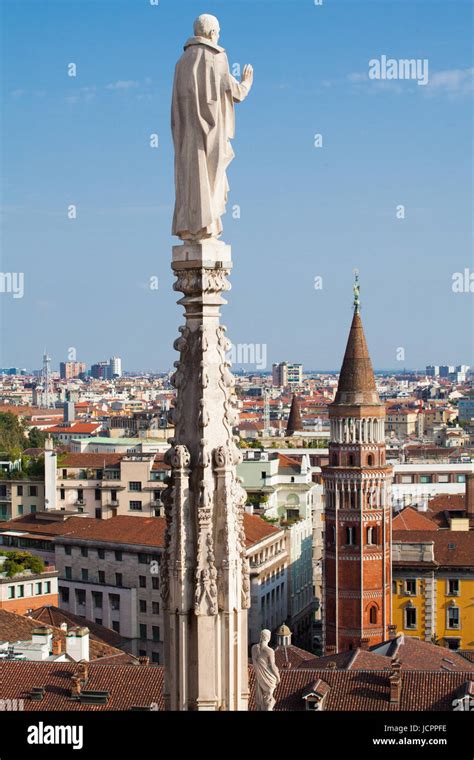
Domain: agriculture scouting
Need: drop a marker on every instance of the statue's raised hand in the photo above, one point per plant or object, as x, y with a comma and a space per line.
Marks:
247, 75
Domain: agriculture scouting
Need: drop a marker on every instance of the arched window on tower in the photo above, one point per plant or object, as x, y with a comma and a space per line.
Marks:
351, 460
370, 460
370, 533
373, 615
333, 534
350, 536
334, 461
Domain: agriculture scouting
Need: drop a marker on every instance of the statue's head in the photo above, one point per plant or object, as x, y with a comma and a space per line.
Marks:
265, 636
207, 26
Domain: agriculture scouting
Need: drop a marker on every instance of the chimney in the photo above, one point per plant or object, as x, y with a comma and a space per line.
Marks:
77, 643
331, 665
331, 649
144, 660
395, 679
63, 627
42, 635
470, 495
76, 686
392, 632
364, 644
57, 646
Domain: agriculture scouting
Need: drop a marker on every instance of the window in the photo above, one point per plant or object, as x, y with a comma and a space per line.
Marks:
84, 574
406, 479
33, 509
98, 513
97, 599
454, 618
155, 657
97, 494
62, 493
98, 621
67, 550
20, 509
142, 631
11, 592
113, 495
116, 626
135, 485
81, 597
373, 615
155, 632
101, 576
142, 581
136, 506
84, 551
118, 579
461, 478
453, 586
155, 583
101, 553
410, 586
371, 535
426, 478
19, 490
155, 608
80, 494
64, 593
142, 605
118, 556
443, 478
370, 460
453, 643
47, 587
33, 490
20, 591
410, 617
114, 601
264, 474
68, 573
351, 460
350, 536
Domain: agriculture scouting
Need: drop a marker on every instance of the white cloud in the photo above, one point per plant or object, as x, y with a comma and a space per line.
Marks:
122, 84
452, 81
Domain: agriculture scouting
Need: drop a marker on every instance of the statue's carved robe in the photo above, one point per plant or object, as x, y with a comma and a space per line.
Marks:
267, 676
202, 123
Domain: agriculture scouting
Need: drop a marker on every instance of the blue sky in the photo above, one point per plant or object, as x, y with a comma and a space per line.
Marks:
305, 211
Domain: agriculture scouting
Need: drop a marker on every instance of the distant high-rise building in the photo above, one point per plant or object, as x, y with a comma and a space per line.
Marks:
115, 364
432, 370
100, 370
287, 374
69, 370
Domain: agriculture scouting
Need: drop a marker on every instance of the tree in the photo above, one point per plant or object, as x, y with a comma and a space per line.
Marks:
36, 438
12, 435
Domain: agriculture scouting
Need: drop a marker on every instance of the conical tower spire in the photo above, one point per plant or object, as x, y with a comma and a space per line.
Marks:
294, 423
356, 380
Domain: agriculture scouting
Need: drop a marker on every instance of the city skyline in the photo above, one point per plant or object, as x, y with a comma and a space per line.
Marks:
91, 148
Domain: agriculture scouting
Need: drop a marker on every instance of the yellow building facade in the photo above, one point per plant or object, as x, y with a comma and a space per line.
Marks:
433, 588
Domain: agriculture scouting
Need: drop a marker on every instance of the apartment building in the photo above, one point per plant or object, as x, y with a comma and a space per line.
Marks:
26, 590
109, 571
20, 496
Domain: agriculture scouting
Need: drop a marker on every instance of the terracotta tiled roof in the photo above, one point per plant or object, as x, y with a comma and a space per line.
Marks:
289, 462
351, 690
15, 627
420, 655
257, 529
86, 459
356, 380
441, 505
412, 519
368, 690
126, 529
291, 657
452, 548
128, 686
53, 616
76, 427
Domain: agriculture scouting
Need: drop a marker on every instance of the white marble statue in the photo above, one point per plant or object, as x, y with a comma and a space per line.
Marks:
202, 123
267, 674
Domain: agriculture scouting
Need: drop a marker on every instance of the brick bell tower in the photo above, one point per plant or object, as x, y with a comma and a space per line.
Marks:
357, 482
